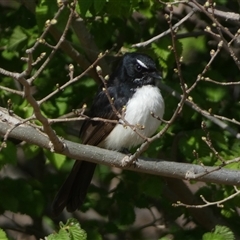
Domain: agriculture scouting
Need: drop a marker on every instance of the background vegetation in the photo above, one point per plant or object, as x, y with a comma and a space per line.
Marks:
49, 51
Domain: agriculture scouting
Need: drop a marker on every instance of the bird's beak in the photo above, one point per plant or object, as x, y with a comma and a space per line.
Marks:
156, 75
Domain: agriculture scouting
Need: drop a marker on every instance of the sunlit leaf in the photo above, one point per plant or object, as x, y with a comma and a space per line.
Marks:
3, 235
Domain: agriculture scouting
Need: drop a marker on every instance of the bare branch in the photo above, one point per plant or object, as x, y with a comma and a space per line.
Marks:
56, 47
71, 81
208, 203
156, 38
20, 93
27, 133
223, 14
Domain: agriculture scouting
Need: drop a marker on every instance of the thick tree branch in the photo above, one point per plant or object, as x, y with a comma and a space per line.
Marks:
226, 15
27, 133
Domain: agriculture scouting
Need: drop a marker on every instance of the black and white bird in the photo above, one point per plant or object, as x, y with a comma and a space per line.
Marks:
132, 87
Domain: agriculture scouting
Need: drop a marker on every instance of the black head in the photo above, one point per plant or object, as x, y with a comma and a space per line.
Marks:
138, 69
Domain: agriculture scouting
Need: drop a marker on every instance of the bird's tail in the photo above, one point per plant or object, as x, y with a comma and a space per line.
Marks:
74, 190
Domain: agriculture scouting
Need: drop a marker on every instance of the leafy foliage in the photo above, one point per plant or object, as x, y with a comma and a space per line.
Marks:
3, 235
220, 232
69, 231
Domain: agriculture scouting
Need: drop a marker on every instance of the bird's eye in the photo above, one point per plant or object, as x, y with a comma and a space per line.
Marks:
138, 67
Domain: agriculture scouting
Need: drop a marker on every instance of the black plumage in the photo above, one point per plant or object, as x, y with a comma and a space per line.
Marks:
134, 71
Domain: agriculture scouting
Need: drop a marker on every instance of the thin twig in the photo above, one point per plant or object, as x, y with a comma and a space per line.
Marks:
156, 38
31, 79
6, 135
204, 113
20, 93
207, 79
207, 203
213, 55
75, 79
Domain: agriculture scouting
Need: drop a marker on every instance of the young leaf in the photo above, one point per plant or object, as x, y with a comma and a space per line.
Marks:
220, 233
3, 235
69, 231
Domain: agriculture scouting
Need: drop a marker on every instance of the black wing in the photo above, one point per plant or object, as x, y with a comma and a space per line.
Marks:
74, 189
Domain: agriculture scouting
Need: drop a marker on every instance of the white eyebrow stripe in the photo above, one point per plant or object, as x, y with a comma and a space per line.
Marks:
142, 64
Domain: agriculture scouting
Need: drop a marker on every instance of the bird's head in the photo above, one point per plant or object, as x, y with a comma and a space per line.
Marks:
139, 68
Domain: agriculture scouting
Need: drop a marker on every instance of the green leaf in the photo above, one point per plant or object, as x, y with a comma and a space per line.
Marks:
8, 155
55, 158
8, 55
215, 94
192, 140
69, 231
98, 5
94, 234
3, 235
61, 235
220, 233
75, 230
62, 106
212, 236
163, 53
18, 39
191, 43
227, 213
166, 57
85, 6
111, 227
120, 8
23, 197
43, 13
77, 233
127, 214
31, 151
225, 232
151, 186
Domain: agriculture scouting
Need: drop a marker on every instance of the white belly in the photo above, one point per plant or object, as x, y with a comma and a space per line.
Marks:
145, 100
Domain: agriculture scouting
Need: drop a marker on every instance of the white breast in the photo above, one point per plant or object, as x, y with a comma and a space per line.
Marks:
145, 100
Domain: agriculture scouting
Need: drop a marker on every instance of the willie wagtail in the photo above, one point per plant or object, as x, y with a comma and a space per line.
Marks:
135, 96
